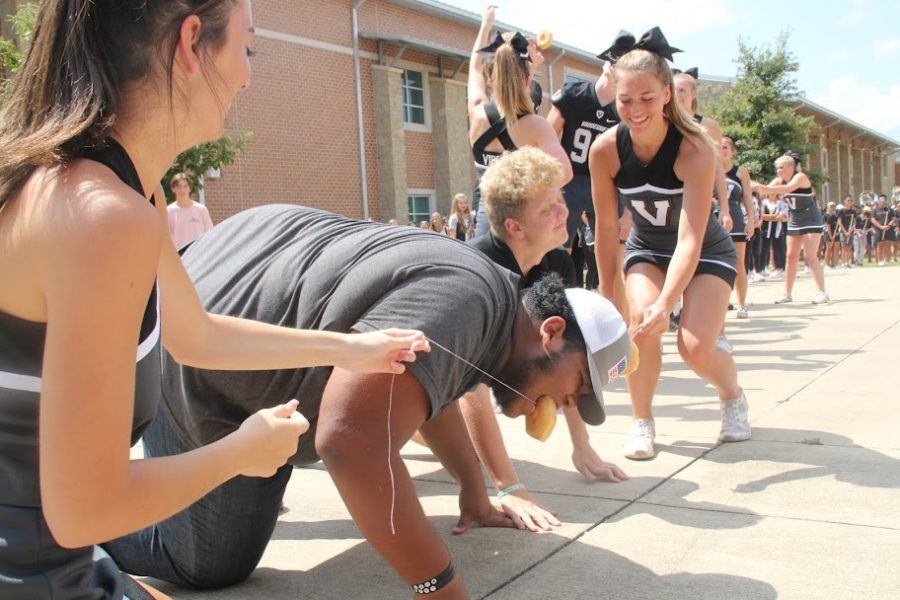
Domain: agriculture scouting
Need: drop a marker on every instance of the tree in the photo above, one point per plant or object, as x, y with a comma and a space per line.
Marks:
12, 52
194, 162
759, 109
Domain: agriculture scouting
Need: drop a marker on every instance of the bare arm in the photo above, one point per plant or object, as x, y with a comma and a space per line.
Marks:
604, 164
476, 87
556, 120
353, 440
799, 180
747, 199
91, 492
199, 339
448, 438
695, 166
721, 185
484, 431
545, 137
586, 460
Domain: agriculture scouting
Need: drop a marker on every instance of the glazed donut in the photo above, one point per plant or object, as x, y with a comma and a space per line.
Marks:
540, 423
544, 39
634, 360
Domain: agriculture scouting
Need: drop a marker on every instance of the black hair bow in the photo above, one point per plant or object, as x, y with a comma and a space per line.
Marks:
518, 42
652, 41
693, 72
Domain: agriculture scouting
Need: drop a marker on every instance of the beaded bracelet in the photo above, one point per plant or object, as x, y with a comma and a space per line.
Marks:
435, 583
509, 490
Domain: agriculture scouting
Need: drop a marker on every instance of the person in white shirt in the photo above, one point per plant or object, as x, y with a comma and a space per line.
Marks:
188, 220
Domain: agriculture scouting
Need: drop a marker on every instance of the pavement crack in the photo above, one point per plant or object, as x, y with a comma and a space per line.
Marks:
836, 364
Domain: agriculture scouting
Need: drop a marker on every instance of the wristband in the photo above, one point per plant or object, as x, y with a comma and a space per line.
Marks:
435, 583
509, 490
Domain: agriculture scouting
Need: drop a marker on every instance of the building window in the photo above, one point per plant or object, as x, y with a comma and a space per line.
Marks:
413, 97
576, 79
420, 206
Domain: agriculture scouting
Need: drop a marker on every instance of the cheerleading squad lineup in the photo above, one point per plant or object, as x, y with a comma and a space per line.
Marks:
288, 335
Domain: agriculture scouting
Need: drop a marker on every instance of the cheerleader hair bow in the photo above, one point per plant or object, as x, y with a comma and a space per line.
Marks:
517, 41
652, 41
692, 72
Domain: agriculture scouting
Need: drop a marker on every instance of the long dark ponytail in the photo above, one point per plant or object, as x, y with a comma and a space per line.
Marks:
84, 55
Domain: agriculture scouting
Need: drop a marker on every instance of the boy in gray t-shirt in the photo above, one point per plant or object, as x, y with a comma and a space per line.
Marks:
303, 268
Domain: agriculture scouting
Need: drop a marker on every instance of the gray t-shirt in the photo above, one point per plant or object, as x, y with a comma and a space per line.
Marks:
307, 269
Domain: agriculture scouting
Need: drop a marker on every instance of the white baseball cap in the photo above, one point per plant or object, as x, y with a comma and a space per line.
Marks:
607, 343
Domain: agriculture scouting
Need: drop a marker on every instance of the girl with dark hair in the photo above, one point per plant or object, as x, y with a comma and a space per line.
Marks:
508, 122
664, 164
108, 95
738, 183
804, 229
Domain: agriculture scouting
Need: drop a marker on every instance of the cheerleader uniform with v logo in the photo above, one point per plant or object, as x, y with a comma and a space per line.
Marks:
654, 195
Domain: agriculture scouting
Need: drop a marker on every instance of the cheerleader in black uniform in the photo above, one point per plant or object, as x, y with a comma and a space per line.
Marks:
86, 134
738, 182
804, 228
508, 122
663, 164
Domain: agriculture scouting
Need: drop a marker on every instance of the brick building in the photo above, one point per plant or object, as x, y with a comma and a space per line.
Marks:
399, 68
413, 152
302, 108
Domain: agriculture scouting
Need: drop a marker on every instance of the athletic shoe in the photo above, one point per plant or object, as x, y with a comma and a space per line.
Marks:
784, 298
742, 312
723, 343
639, 445
821, 298
735, 425
778, 274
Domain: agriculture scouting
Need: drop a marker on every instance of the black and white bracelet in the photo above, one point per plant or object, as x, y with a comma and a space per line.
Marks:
435, 583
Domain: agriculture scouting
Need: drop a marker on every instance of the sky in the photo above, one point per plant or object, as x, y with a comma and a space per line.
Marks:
848, 50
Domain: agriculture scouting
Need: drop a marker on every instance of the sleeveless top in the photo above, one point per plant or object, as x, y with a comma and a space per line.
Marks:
496, 131
654, 195
32, 564
800, 199
735, 200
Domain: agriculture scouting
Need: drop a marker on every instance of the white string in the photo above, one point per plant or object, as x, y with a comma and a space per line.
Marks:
509, 387
390, 465
390, 406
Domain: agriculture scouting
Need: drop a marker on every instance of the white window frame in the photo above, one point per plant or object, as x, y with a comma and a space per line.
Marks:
426, 98
432, 201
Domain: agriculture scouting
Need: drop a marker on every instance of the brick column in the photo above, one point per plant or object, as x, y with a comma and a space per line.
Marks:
844, 169
877, 175
450, 135
390, 142
834, 168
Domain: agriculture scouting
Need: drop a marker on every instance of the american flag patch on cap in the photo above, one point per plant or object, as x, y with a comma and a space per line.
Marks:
619, 368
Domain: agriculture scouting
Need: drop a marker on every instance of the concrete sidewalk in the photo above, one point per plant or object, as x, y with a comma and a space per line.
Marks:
809, 508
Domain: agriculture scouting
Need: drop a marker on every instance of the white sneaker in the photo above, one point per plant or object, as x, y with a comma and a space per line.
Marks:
784, 298
778, 274
639, 445
821, 298
742, 312
723, 343
761, 276
735, 424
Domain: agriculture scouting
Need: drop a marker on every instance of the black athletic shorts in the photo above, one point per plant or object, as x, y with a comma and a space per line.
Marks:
706, 265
